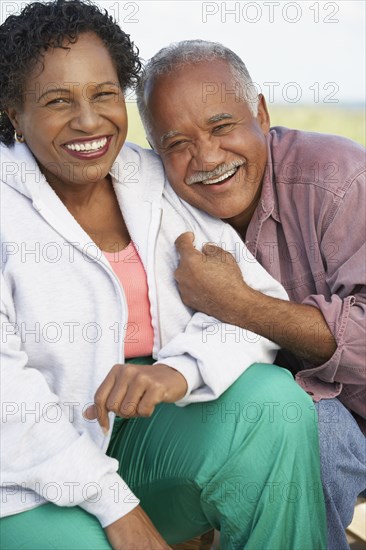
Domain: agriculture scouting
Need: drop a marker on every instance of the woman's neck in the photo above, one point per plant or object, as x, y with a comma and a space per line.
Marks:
95, 207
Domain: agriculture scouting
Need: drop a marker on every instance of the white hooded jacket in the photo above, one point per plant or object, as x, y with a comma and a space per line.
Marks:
63, 315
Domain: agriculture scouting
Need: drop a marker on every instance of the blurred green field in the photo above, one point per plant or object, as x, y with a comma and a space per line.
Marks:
348, 122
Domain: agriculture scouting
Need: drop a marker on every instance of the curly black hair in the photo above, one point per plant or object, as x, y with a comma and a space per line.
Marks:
24, 39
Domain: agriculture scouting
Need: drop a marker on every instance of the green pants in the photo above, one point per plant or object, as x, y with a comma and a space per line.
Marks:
246, 464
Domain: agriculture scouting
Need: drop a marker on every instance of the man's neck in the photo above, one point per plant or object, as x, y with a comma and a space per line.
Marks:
241, 221
239, 226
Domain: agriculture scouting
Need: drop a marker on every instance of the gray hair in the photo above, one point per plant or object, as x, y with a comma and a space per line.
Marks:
177, 55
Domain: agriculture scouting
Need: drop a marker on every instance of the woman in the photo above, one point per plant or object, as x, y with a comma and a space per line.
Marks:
83, 221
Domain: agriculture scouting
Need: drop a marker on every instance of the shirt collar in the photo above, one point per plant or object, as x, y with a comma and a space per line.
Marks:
268, 203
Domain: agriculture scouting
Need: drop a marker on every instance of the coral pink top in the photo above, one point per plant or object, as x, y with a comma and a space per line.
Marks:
128, 267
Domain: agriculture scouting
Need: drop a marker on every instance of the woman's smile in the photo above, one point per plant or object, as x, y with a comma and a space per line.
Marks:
88, 148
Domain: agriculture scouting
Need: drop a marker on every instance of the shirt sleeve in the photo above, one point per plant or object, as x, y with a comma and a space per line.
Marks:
345, 312
41, 450
210, 354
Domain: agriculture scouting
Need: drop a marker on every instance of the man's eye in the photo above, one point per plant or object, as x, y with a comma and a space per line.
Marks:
176, 144
222, 128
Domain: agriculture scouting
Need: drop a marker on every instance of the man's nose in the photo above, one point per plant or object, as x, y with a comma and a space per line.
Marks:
206, 155
86, 118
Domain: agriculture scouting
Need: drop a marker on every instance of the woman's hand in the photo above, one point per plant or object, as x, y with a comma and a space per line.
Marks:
134, 531
134, 390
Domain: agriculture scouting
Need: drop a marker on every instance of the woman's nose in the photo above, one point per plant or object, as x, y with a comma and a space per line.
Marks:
86, 118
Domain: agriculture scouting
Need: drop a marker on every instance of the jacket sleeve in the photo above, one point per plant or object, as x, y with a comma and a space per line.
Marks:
210, 354
41, 450
343, 251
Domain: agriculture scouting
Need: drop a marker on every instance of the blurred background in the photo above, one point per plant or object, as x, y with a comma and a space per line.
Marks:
307, 57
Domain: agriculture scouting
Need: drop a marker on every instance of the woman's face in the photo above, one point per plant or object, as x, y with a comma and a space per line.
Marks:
73, 116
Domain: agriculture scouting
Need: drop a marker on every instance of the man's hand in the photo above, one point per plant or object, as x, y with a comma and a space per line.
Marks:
212, 282
134, 531
209, 281
134, 390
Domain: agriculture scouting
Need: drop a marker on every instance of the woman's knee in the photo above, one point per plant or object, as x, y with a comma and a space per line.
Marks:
266, 400
270, 384
51, 526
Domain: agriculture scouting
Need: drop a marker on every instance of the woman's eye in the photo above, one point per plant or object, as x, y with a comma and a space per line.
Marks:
57, 101
102, 95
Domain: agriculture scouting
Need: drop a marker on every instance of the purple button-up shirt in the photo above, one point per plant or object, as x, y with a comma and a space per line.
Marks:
309, 232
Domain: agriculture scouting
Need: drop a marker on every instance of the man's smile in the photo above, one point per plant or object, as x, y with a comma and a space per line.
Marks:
222, 178
218, 175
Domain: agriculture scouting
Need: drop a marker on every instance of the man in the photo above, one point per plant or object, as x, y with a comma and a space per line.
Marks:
292, 197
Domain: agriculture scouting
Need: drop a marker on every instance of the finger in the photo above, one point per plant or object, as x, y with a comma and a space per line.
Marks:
184, 243
91, 413
116, 397
128, 409
129, 405
211, 249
124, 397
100, 399
148, 403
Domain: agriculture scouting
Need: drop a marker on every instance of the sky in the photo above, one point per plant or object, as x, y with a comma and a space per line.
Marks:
296, 52
304, 51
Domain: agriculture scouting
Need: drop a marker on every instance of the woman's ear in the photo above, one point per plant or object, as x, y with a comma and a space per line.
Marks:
13, 114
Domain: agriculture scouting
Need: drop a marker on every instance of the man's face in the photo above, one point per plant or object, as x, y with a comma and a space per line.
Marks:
213, 148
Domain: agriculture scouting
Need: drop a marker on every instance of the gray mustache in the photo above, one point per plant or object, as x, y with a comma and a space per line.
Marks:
218, 171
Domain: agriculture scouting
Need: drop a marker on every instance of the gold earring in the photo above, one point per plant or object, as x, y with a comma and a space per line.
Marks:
18, 137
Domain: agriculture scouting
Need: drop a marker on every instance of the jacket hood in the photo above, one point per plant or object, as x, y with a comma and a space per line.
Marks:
19, 170
133, 166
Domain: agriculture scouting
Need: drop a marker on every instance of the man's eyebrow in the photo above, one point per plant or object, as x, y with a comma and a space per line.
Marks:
168, 135
211, 120
68, 90
219, 117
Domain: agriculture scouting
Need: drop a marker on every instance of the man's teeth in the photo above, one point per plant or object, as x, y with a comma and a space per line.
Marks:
87, 145
222, 177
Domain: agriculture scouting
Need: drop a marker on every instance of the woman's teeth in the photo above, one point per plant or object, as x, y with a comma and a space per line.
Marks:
87, 145
222, 177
